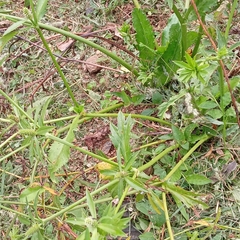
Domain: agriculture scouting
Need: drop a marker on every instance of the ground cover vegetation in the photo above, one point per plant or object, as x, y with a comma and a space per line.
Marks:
119, 120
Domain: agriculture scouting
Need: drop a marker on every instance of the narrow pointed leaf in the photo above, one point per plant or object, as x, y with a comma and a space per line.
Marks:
135, 184
41, 8
91, 204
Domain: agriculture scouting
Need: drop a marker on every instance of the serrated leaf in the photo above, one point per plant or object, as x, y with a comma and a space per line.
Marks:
59, 153
90, 204
135, 184
172, 38
197, 179
144, 34
41, 8
205, 7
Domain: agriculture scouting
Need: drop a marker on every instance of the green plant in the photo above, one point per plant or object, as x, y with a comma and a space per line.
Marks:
173, 189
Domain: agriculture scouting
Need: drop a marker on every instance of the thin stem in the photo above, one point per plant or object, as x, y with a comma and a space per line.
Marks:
8, 140
57, 66
15, 151
77, 38
187, 155
198, 41
221, 90
170, 232
159, 156
126, 115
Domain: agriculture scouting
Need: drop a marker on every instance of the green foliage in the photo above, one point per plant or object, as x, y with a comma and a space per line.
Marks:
163, 184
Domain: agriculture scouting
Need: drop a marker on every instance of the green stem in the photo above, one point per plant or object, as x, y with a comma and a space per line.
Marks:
15, 211
80, 149
79, 201
126, 115
8, 140
170, 232
77, 38
221, 90
105, 110
13, 152
198, 41
187, 155
159, 156
57, 66
234, 5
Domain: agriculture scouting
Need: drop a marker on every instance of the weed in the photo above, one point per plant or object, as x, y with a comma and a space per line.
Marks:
172, 186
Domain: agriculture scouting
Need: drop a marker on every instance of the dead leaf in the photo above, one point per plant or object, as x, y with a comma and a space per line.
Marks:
63, 46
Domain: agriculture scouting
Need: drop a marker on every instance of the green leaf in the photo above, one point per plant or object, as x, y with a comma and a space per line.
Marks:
208, 105
14, 26
6, 38
31, 193
178, 135
155, 202
126, 99
135, 184
204, 7
181, 208
191, 38
41, 8
188, 132
144, 34
186, 197
172, 38
214, 113
43, 130
197, 179
147, 112
157, 98
111, 229
91, 205
60, 153
34, 228
145, 208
